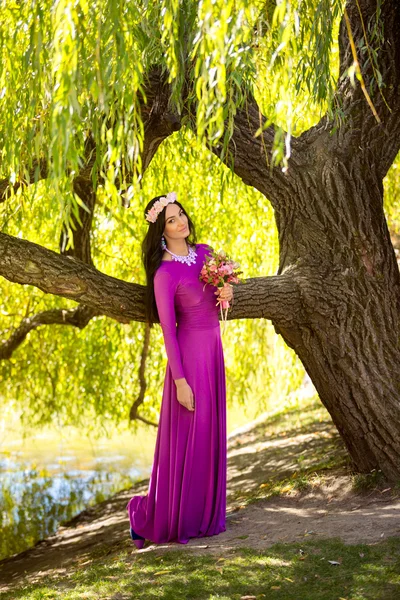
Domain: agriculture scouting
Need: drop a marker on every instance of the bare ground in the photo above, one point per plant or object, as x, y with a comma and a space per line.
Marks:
263, 452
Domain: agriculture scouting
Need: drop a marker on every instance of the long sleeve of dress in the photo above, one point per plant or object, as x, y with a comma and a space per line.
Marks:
164, 291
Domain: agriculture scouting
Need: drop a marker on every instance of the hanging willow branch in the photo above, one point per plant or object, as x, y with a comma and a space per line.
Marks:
133, 413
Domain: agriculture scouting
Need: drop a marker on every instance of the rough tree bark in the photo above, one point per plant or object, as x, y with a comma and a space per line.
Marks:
335, 242
28, 263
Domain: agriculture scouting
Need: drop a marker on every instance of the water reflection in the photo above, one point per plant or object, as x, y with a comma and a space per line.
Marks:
52, 476
35, 502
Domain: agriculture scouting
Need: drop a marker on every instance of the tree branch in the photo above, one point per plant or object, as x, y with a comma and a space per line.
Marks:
39, 170
26, 263
360, 134
376, 32
77, 317
81, 234
133, 413
159, 122
249, 156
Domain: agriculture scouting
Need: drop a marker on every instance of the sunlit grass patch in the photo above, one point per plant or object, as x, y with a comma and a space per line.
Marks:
368, 481
317, 452
306, 432
307, 570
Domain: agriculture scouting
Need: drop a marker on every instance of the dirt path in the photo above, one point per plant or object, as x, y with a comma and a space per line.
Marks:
256, 455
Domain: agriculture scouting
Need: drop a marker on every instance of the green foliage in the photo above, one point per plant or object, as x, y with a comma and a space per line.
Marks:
89, 378
391, 196
70, 68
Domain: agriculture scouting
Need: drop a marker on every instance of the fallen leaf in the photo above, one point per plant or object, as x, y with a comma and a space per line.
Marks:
288, 579
162, 572
333, 562
275, 587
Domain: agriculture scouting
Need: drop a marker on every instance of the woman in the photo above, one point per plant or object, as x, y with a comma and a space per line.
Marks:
187, 489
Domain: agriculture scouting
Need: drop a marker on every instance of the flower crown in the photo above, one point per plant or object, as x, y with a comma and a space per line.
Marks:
158, 206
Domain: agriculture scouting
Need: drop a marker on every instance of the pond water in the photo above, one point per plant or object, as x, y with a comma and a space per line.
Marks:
52, 476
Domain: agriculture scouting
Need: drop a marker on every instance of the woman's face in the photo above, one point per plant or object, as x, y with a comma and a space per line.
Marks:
176, 222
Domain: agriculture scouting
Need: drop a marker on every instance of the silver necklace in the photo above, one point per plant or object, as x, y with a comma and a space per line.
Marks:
188, 259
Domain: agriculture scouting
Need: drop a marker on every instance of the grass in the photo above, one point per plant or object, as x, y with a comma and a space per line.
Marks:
315, 460
301, 480
297, 571
370, 481
324, 456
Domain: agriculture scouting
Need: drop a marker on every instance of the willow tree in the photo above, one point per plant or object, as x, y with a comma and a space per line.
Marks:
88, 93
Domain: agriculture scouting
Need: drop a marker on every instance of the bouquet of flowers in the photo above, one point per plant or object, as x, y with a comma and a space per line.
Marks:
220, 270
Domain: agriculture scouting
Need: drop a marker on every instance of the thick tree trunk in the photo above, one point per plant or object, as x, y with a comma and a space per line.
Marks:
343, 319
334, 240
349, 286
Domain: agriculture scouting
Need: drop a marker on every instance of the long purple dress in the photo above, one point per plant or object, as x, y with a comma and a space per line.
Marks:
187, 489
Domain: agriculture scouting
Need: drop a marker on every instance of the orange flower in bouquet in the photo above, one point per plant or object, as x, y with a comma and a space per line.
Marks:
220, 270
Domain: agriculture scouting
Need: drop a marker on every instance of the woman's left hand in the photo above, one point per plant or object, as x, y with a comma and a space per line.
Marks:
225, 293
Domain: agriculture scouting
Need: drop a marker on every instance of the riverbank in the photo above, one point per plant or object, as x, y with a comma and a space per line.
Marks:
289, 490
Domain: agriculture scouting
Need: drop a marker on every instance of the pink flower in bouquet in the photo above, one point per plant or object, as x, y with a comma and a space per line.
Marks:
219, 270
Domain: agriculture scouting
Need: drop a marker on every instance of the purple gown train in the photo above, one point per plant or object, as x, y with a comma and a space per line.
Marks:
187, 490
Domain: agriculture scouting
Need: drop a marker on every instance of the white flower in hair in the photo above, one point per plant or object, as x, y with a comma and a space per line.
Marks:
158, 206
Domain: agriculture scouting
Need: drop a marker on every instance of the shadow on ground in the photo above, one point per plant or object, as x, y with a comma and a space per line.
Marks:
298, 446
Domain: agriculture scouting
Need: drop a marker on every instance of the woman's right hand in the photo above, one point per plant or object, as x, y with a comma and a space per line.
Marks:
185, 395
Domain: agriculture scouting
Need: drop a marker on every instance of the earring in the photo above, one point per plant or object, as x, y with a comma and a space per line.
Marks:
163, 244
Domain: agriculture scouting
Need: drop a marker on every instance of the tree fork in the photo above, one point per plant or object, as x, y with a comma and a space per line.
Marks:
334, 240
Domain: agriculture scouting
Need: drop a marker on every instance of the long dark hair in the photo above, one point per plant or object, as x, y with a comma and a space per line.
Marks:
152, 255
